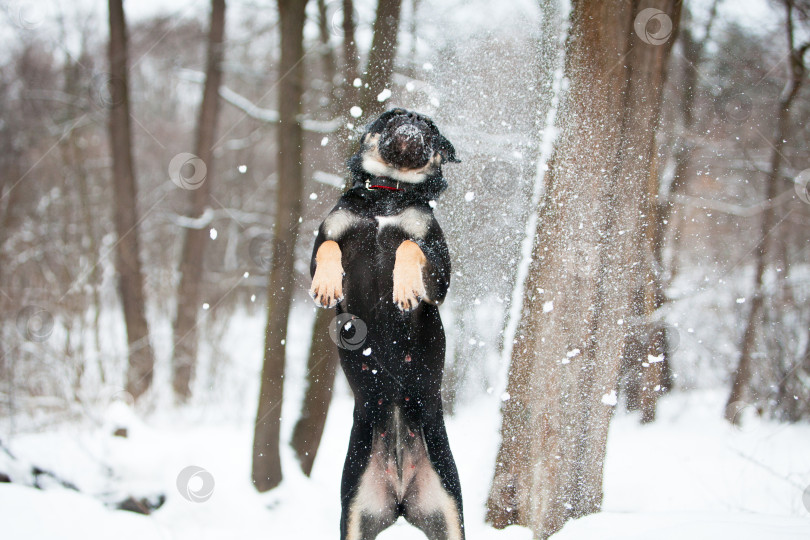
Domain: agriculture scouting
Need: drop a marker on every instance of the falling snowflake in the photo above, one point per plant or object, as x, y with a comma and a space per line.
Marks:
610, 399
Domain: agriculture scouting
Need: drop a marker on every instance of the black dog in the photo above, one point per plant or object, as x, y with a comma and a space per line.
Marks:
381, 258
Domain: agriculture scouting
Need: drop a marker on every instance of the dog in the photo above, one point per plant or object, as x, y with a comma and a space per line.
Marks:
380, 258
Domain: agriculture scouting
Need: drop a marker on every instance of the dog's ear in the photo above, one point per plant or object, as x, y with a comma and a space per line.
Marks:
446, 149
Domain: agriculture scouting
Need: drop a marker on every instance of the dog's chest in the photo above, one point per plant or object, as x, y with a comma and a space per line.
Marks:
414, 222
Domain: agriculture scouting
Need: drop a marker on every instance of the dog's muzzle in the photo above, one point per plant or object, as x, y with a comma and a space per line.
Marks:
405, 142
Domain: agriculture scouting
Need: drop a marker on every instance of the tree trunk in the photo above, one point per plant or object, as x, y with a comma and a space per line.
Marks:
321, 369
349, 49
662, 209
380, 58
570, 339
127, 260
266, 459
191, 263
744, 372
328, 64
323, 354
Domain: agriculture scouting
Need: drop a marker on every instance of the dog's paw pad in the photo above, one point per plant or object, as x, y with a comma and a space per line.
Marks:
408, 290
408, 303
327, 291
327, 283
409, 287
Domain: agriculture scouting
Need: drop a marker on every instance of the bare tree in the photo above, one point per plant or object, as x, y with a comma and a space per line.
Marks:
381, 57
569, 343
328, 62
795, 78
128, 263
266, 460
321, 370
322, 363
191, 262
645, 381
349, 47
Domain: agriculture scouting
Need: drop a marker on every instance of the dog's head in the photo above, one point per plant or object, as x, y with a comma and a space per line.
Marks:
404, 146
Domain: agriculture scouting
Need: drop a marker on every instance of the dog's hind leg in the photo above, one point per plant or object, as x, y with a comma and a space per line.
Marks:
368, 494
433, 498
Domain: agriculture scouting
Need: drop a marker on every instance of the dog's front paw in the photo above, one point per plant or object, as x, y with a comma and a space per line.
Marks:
327, 288
409, 288
327, 283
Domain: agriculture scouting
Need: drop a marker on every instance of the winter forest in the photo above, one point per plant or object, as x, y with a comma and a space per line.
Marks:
628, 318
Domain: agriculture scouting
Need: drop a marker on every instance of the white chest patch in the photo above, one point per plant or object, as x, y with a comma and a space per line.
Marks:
337, 223
412, 221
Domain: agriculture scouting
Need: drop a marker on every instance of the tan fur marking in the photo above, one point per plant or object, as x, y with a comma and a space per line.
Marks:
375, 164
431, 497
374, 497
327, 283
418, 487
409, 288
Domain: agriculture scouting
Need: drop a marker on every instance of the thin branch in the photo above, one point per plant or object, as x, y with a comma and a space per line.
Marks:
209, 215
734, 209
768, 469
267, 116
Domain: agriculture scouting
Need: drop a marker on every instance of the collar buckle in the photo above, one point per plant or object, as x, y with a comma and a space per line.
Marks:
373, 187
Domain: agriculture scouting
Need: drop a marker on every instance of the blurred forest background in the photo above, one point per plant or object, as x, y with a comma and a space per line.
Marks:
720, 286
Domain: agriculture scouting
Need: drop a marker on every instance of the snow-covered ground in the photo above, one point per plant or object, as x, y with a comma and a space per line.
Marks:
688, 475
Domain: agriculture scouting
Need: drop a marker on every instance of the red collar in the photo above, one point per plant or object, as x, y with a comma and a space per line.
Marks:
371, 186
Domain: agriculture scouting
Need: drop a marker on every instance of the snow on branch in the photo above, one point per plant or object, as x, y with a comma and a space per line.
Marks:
268, 116
734, 209
328, 178
209, 215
